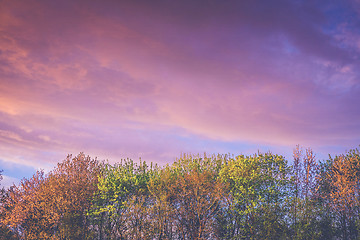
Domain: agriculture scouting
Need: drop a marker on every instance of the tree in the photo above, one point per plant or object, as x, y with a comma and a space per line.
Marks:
196, 195
71, 187
162, 213
26, 212
5, 231
186, 198
344, 176
119, 210
258, 185
295, 209
325, 214
54, 206
303, 205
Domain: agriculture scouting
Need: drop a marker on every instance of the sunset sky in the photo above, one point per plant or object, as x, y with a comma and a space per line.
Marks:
154, 79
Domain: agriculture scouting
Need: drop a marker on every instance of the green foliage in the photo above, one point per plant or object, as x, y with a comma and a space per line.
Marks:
304, 207
197, 197
122, 189
258, 187
119, 182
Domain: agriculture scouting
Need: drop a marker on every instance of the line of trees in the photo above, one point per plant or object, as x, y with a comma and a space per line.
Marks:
260, 196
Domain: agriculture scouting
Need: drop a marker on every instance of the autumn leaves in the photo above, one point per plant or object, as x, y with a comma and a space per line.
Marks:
197, 197
53, 206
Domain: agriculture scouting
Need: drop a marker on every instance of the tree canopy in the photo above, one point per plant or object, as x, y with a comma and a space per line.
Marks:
260, 196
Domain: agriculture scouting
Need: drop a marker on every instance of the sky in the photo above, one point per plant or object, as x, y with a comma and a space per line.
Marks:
155, 79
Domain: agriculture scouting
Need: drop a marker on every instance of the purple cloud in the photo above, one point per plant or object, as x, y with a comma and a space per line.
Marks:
134, 79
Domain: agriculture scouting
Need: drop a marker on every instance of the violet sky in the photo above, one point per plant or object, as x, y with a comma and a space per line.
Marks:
154, 79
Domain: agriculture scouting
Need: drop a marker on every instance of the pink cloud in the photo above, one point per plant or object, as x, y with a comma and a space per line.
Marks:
121, 79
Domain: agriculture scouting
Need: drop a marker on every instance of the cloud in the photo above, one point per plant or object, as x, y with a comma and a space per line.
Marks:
7, 181
130, 78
